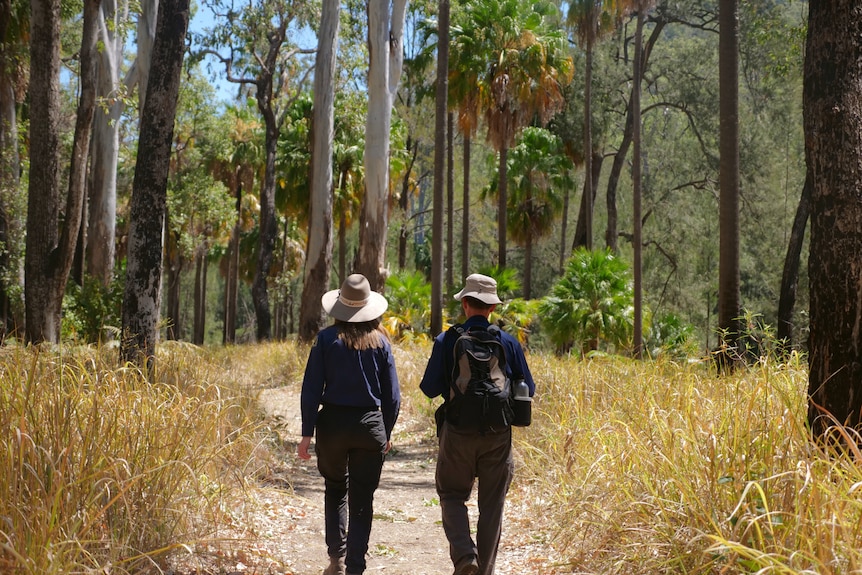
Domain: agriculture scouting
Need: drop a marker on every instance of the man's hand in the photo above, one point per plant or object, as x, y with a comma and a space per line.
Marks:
302, 448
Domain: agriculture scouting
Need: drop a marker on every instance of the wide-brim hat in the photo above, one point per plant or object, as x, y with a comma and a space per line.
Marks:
480, 287
354, 302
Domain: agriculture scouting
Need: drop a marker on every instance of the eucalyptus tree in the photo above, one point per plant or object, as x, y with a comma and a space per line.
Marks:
386, 57
251, 42
142, 291
113, 92
539, 172
319, 245
832, 114
516, 51
50, 244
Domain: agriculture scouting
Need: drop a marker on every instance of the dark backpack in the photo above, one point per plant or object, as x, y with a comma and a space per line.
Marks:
479, 391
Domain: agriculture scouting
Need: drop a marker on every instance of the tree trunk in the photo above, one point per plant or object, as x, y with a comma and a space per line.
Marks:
832, 118
637, 242
502, 200
99, 248
43, 205
141, 297
528, 248
441, 97
612, 233
386, 55
319, 252
450, 200
588, 147
728, 265
232, 282
790, 275
200, 296
268, 223
412, 147
147, 22
580, 238
563, 228
465, 213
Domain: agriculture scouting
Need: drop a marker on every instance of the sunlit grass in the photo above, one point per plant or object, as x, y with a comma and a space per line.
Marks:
665, 468
103, 470
629, 467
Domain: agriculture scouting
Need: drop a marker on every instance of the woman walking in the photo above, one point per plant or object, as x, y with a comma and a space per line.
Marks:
351, 374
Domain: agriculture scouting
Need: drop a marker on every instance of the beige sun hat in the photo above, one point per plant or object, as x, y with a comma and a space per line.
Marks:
354, 302
481, 287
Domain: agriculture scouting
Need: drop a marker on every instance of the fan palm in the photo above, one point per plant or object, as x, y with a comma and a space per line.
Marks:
509, 64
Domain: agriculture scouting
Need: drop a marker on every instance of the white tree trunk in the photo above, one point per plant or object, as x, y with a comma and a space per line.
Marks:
386, 57
146, 36
319, 251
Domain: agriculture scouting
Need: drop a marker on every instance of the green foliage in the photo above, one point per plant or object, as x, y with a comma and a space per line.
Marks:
92, 312
670, 336
591, 303
409, 312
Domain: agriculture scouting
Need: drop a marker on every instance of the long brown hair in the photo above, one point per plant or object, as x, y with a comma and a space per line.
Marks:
362, 335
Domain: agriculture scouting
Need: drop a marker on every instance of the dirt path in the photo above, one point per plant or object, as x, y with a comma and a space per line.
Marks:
278, 527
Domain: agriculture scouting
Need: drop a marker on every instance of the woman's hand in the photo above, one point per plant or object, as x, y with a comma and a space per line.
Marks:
302, 448
388, 447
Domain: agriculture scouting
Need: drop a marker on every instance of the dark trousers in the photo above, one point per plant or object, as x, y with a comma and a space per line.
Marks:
349, 447
464, 457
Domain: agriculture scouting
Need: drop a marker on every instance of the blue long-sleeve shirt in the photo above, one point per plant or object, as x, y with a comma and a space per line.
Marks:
339, 375
435, 382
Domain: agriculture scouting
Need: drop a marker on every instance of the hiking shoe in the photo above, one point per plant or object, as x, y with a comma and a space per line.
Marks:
336, 566
467, 567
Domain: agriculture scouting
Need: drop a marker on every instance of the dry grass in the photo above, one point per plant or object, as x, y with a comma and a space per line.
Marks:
102, 470
664, 468
629, 467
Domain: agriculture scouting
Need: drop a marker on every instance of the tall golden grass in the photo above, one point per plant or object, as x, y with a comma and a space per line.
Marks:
630, 467
104, 471
658, 467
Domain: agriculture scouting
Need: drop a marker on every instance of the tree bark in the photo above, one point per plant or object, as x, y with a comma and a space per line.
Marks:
728, 265
580, 238
450, 200
790, 274
43, 204
637, 242
441, 97
832, 120
588, 148
386, 56
232, 281
319, 251
502, 201
99, 248
141, 297
465, 213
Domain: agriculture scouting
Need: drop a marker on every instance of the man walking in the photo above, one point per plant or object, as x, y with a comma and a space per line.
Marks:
466, 451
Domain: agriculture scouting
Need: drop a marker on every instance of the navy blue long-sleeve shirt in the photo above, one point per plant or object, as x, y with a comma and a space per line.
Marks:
435, 382
339, 375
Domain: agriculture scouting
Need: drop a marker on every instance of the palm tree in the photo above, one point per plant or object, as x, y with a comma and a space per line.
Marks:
539, 171
728, 266
517, 61
591, 20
